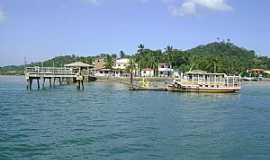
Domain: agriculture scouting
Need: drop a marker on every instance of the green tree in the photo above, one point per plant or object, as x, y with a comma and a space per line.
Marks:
108, 62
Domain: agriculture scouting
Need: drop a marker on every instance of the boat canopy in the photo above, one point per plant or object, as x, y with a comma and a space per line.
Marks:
204, 78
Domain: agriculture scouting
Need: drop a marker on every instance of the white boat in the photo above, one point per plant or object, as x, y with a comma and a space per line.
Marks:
199, 81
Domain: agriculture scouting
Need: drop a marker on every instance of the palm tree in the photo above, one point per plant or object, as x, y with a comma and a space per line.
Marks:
140, 57
169, 48
169, 54
130, 69
108, 62
212, 66
140, 48
122, 54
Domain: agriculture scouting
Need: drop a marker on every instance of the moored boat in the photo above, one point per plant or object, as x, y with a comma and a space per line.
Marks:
198, 81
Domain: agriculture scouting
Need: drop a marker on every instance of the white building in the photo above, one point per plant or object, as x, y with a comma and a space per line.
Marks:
120, 67
121, 64
165, 70
147, 72
103, 73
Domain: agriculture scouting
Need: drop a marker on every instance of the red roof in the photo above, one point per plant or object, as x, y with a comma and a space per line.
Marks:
256, 70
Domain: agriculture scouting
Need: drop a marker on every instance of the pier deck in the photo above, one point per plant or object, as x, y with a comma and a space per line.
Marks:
62, 74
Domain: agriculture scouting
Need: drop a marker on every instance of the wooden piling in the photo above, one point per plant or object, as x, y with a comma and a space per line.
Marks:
30, 83
82, 84
43, 84
60, 81
38, 83
53, 82
50, 81
79, 84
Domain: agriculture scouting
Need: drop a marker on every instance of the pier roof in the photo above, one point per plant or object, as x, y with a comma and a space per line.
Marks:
78, 64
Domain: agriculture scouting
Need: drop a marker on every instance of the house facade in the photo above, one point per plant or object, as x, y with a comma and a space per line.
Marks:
121, 64
120, 68
99, 63
147, 72
165, 70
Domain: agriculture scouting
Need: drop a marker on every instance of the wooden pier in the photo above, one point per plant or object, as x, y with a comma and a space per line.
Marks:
62, 75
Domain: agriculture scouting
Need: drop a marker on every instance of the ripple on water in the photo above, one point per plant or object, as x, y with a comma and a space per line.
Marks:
106, 121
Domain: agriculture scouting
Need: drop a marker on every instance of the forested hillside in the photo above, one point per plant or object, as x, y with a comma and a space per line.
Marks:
214, 57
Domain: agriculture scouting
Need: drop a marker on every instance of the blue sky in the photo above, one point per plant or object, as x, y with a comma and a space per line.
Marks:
41, 29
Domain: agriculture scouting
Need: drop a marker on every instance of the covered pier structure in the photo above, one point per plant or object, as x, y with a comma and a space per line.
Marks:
76, 72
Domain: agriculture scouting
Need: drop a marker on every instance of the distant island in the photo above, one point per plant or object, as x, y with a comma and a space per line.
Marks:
222, 56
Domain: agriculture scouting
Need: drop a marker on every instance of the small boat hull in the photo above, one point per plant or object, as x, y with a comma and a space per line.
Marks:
203, 90
147, 89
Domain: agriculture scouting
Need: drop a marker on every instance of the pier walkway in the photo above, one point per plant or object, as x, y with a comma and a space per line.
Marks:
53, 74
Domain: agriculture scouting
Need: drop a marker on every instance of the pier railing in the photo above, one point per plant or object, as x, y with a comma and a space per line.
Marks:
49, 71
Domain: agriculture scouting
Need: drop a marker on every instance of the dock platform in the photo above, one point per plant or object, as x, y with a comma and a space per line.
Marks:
56, 74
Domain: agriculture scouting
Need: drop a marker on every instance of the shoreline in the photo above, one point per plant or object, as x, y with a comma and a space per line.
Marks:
127, 79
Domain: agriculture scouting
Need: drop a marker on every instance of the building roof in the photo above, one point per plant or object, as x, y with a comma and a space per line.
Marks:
197, 72
122, 61
257, 70
200, 72
147, 69
78, 64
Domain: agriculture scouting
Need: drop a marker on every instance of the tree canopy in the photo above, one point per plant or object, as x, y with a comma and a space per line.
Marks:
213, 57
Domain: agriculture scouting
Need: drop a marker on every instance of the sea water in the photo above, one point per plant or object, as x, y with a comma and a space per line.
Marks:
107, 121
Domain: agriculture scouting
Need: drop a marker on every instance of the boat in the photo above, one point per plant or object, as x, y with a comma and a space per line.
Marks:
200, 81
252, 79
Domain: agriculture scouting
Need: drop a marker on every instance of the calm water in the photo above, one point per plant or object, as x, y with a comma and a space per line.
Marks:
106, 121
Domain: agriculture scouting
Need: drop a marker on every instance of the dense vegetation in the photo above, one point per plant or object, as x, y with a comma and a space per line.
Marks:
214, 57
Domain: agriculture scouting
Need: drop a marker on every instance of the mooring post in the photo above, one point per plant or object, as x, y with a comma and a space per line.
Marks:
131, 79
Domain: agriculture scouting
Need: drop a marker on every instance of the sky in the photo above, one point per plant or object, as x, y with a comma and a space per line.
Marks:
37, 30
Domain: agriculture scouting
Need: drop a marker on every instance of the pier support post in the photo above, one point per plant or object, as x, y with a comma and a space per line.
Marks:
43, 84
79, 79
82, 84
60, 81
68, 81
38, 83
53, 82
79, 84
30, 84
50, 81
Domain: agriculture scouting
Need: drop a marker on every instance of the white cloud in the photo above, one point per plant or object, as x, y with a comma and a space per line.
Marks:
186, 8
92, 1
2, 16
190, 7
219, 5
